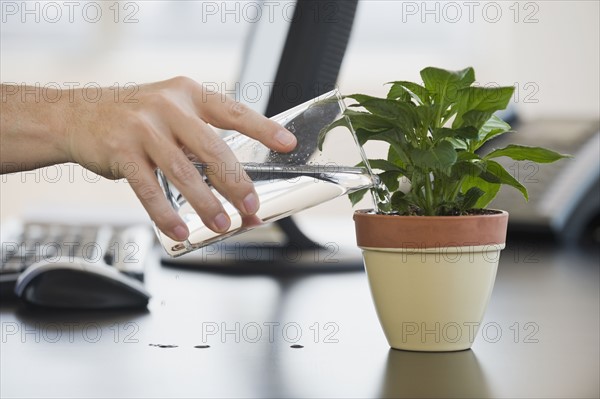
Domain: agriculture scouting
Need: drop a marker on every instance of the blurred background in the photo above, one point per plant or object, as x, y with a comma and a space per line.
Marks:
549, 50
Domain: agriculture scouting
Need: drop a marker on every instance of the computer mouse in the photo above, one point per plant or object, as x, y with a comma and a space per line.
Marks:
76, 283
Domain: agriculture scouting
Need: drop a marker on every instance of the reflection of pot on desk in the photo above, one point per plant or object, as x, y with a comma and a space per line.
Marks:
433, 374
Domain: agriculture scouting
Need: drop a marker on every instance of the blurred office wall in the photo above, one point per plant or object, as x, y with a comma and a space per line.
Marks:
548, 49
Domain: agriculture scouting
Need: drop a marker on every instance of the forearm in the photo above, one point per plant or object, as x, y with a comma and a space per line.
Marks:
32, 128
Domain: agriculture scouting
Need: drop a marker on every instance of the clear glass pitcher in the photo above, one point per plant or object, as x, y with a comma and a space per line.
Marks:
285, 183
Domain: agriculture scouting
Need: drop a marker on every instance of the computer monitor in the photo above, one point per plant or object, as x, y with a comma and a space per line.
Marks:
308, 65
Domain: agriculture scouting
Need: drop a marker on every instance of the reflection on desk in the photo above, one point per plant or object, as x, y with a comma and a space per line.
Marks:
542, 339
443, 373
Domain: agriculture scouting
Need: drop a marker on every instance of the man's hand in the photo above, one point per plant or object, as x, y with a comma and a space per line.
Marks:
169, 121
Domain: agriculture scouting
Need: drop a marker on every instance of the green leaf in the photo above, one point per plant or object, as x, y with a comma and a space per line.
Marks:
471, 197
414, 90
323, 133
399, 93
441, 157
467, 164
395, 139
488, 99
492, 128
356, 196
495, 173
399, 202
458, 144
390, 179
388, 136
525, 153
386, 108
362, 136
395, 158
444, 84
467, 132
476, 119
467, 168
426, 116
490, 190
467, 77
399, 114
384, 165
466, 156
367, 121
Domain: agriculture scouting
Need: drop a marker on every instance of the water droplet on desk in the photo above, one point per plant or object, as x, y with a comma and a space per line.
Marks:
297, 346
163, 346
202, 346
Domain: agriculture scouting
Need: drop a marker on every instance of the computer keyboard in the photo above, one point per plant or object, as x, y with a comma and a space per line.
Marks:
105, 247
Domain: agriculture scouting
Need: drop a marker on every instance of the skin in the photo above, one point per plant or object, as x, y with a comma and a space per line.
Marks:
163, 125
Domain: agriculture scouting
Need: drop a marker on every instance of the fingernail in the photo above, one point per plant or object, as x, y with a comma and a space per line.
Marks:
222, 222
285, 138
251, 204
180, 232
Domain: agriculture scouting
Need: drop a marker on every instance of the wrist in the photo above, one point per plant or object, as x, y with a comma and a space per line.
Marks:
61, 118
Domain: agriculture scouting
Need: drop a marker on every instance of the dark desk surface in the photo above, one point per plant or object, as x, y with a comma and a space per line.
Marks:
541, 339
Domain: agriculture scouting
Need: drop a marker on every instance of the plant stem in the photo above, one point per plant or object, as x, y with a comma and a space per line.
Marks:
455, 191
428, 195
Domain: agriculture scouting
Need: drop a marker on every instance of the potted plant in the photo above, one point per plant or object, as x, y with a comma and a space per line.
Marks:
431, 248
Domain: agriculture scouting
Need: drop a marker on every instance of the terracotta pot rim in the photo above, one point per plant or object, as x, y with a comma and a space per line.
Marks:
368, 213
395, 231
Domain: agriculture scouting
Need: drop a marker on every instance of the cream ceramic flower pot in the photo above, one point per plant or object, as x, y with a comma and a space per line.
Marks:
431, 277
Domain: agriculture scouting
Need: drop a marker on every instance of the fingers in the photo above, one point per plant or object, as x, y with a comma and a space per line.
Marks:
225, 113
223, 169
148, 191
188, 180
